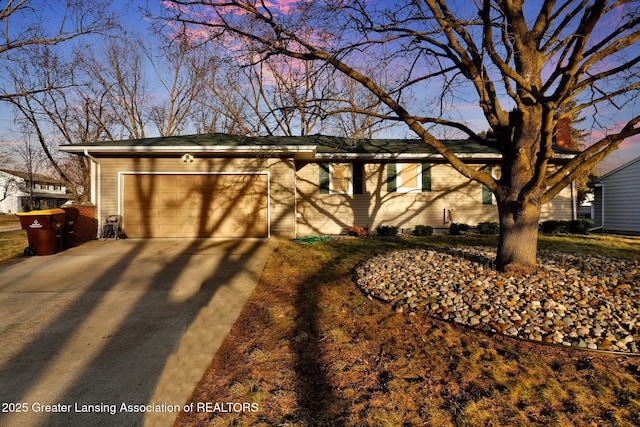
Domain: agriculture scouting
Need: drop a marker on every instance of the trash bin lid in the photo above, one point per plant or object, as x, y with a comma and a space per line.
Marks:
41, 212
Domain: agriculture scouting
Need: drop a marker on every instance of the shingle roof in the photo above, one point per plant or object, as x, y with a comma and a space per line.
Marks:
36, 177
619, 168
322, 144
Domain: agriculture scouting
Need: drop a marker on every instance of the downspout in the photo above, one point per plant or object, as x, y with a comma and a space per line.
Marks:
574, 202
600, 227
95, 184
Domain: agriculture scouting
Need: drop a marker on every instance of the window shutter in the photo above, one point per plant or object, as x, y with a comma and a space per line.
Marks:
487, 196
391, 178
324, 177
358, 181
426, 177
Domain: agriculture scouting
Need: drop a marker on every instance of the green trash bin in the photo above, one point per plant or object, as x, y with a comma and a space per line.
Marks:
44, 230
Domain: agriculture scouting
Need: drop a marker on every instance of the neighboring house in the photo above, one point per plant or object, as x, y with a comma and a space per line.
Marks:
616, 206
228, 186
15, 191
585, 210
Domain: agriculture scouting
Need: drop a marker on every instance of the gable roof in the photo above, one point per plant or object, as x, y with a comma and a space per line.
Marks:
304, 147
36, 177
619, 168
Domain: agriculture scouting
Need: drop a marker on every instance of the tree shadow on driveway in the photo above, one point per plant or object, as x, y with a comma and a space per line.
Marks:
133, 322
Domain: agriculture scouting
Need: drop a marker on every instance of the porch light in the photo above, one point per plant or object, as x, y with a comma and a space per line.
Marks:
187, 158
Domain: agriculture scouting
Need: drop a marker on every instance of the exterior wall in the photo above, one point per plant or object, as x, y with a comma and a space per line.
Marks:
281, 183
11, 204
86, 226
452, 198
621, 203
596, 207
560, 208
10, 193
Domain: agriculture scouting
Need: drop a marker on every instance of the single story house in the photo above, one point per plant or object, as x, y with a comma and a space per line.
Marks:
616, 205
18, 188
219, 185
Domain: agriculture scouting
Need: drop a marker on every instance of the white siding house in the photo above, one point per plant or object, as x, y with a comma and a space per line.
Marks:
616, 207
16, 189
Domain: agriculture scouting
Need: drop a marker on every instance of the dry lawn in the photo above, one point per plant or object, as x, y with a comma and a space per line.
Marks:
12, 244
311, 350
9, 219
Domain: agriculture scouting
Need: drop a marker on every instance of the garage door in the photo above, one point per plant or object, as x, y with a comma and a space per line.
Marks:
198, 205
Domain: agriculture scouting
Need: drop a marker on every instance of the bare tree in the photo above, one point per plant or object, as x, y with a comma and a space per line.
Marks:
29, 68
519, 66
354, 112
68, 113
9, 187
248, 96
31, 163
176, 68
118, 74
27, 23
41, 67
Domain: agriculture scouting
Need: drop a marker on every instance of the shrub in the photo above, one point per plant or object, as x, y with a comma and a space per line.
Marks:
488, 228
456, 229
386, 231
554, 227
579, 226
423, 230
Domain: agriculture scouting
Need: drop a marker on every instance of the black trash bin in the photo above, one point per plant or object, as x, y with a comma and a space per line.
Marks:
44, 230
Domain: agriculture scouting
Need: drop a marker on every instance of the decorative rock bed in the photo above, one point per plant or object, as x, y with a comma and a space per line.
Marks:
583, 301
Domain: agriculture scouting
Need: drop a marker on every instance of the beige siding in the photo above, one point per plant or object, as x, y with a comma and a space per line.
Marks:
281, 182
560, 208
452, 196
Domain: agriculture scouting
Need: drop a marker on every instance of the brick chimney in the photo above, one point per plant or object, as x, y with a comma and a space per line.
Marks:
563, 133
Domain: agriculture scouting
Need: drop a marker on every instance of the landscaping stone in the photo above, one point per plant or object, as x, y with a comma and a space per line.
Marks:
583, 301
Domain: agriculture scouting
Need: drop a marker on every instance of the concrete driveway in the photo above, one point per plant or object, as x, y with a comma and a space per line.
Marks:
133, 322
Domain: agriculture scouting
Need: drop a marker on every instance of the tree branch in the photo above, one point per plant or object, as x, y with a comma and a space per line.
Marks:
588, 158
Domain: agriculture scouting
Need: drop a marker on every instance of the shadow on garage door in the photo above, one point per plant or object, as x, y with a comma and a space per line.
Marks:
196, 205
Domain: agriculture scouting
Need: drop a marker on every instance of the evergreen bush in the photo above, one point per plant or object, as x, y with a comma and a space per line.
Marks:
386, 231
488, 228
423, 230
456, 229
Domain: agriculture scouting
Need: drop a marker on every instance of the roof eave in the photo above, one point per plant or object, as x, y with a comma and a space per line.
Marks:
307, 152
418, 156
296, 150
400, 156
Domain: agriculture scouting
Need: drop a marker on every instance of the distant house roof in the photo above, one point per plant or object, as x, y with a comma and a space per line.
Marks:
619, 168
312, 146
36, 177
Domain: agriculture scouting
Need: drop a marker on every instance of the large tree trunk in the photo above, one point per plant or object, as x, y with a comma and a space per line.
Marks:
519, 195
518, 240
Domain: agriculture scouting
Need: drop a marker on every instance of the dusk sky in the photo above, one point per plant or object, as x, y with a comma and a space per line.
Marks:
130, 12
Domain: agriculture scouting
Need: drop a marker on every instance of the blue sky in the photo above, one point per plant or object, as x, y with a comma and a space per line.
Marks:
129, 11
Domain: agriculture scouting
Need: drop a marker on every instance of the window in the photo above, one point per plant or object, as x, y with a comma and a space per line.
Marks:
488, 198
341, 178
408, 177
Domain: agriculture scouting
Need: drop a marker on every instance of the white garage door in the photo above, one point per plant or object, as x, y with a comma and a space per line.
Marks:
195, 205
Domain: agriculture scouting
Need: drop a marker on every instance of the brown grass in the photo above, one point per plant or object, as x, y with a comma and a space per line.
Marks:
12, 244
311, 350
9, 219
